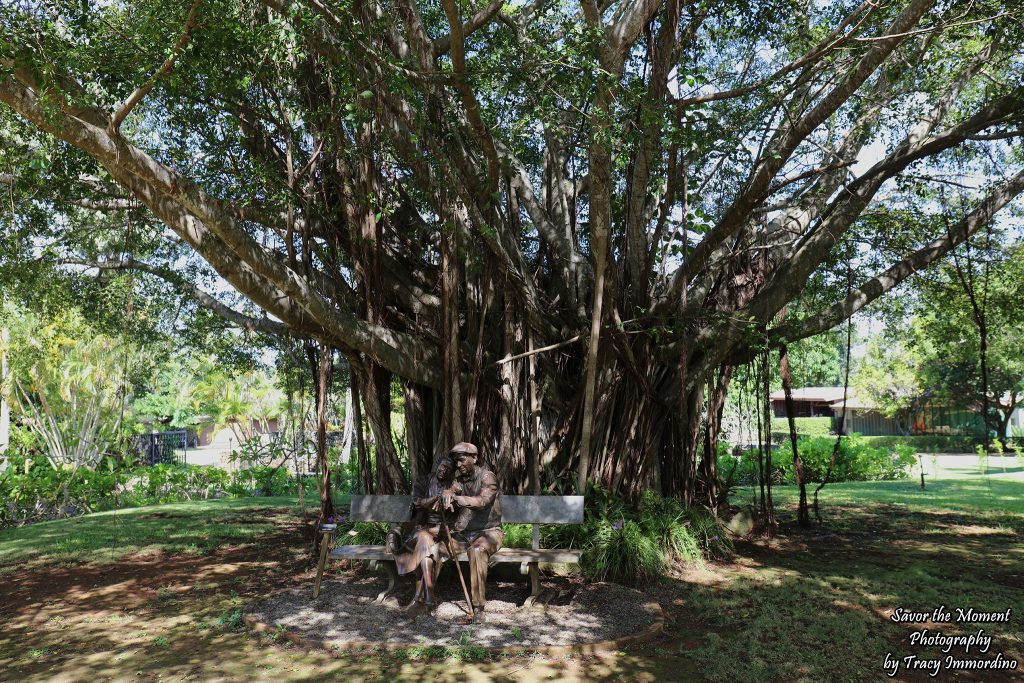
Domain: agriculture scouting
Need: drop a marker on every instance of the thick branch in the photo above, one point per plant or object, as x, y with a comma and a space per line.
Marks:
900, 271
781, 148
469, 101
203, 298
196, 216
443, 44
143, 90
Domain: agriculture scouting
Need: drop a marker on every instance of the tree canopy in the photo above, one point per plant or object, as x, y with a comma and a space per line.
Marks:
561, 225
950, 340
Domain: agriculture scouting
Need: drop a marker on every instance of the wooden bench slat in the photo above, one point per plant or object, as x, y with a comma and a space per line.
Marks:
361, 552
527, 555
514, 509
378, 552
535, 510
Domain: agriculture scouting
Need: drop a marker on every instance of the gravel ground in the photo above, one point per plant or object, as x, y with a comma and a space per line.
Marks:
345, 612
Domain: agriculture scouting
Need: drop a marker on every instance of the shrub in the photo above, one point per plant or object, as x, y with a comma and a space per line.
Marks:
631, 543
32, 489
664, 521
745, 464
518, 535
925, 443
709, 532
621, 551
805, 426
368, 533
262, 480
858, 460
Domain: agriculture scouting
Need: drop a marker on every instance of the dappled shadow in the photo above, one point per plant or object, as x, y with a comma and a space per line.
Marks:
162, 615
134, 581
346, 612
832, 588
812, 604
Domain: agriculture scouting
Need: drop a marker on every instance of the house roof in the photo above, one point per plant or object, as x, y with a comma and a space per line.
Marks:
854, 402
820, 394
833, 396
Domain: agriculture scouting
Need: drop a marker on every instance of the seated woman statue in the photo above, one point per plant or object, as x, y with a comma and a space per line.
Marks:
416, 544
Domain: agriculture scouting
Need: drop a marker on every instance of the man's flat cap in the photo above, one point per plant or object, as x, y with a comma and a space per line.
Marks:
464, 447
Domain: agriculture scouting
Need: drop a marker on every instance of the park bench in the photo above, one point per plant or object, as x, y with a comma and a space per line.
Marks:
535, 510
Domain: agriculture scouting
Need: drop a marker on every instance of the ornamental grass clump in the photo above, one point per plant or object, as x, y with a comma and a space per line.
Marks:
631, 542
362, 533
664, 520
621, 551
709, 532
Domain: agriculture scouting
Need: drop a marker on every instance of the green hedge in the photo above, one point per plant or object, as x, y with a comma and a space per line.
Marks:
858, 460
32, 489
931, 443
805, 426
822, 426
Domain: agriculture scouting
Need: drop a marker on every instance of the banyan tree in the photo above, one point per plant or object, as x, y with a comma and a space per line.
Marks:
559, 225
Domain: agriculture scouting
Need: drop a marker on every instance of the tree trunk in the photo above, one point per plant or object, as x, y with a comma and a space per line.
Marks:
1004, 426
323, 466
769, 509
5, 406
363, 453
390, 476
419, 429
803, 514
712, 429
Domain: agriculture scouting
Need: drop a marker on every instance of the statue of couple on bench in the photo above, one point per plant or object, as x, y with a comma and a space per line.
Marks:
461, 496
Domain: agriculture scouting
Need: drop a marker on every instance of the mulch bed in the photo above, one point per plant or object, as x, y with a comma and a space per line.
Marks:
574, 613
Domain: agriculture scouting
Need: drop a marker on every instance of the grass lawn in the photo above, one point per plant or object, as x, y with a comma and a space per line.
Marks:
195, 527
156, 594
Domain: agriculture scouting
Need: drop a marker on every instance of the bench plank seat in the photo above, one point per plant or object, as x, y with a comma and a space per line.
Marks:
504, 555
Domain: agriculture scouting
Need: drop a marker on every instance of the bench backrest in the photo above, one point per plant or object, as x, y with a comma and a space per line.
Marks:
514, 509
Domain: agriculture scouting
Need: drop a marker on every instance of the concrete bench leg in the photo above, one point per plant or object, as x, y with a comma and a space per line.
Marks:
325, 543
534, 571
392, 571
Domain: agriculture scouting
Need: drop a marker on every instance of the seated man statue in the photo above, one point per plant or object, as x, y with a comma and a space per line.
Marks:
416, 544
477, 532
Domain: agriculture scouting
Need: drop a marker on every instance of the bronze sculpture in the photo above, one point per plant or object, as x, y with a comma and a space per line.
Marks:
417, 545
478, 530
420, 545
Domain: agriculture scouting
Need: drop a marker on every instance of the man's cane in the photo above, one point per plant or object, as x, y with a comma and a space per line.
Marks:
455, 556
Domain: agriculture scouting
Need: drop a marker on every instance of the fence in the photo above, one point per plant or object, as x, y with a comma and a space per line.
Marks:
929, 420
164, 447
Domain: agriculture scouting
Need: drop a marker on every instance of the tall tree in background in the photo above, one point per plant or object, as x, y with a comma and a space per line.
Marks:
624, 193
952, 343
889, 374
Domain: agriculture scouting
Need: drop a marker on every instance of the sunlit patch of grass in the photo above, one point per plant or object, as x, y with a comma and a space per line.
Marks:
889, 545
196, 527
